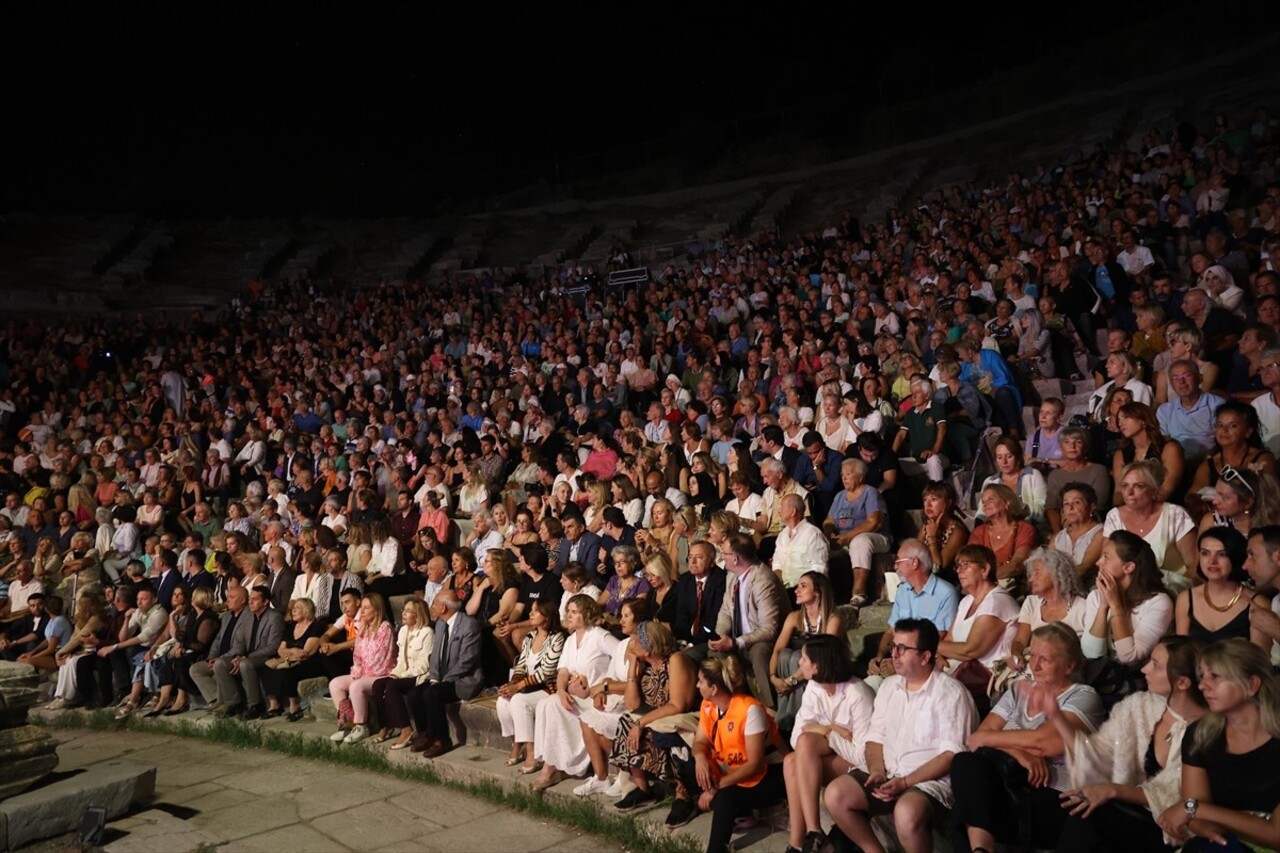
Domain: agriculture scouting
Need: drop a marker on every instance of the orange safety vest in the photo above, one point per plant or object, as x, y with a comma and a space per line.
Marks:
728, 736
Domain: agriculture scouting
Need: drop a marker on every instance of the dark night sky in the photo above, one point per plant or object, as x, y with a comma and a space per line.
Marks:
367, 107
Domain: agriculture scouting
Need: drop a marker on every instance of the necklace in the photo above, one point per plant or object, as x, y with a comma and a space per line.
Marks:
1230, 604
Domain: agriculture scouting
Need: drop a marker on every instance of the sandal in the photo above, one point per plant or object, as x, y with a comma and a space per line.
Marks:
526, 769
544, 784
126, 708
516, 759
402, 744
858, 600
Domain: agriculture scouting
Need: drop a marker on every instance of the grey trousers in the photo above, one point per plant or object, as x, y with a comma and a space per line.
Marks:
216, 681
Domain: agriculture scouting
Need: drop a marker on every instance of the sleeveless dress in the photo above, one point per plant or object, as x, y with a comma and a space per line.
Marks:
1237, 627
788, 661
655, 761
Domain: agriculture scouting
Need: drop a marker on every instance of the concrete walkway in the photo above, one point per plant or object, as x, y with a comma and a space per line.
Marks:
260, 800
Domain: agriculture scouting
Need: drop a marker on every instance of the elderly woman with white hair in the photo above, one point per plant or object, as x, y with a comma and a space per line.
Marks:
1122, 372
858, 520
1056, 596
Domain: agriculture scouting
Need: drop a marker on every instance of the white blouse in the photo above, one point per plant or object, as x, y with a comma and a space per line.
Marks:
998, 603
849, 706
588, 654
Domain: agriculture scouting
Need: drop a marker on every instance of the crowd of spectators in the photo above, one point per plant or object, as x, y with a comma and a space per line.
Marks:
635, 515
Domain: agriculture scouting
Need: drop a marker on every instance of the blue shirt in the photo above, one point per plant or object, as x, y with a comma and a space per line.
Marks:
1192, 428
937, 602
849, 514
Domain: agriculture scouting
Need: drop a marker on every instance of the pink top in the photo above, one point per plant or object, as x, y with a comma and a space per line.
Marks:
374, 656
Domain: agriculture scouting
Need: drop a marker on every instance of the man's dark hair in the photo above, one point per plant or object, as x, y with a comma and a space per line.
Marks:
772, 434
811, 438
614, 516
926, 632
535, 556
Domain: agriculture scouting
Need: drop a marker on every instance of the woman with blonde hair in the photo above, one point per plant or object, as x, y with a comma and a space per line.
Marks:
557, 738
1243, 500
1230, 790
598, 495
372, 658
413, 663
1185, 343
660, 530
661, 575
735, 764
1164, 525
685, 525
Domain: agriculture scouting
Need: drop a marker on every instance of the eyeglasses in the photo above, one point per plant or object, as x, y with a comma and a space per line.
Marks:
904, 560
896, 649
1269, 365
1230, 474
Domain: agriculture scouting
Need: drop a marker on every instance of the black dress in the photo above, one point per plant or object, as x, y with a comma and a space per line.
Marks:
283, 683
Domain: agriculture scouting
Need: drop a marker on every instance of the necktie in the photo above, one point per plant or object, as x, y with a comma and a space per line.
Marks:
444, 649
697, 612
253, 635
737, 610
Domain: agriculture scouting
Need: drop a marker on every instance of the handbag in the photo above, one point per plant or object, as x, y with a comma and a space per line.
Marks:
975, 677
1112, 680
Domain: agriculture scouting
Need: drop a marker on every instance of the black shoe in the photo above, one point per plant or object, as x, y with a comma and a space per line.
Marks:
254, 712
294, 716
274, 712
815, 842
682, 812
230, 711
634, 799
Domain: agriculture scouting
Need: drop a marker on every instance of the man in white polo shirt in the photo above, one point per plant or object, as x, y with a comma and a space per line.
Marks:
1268, 405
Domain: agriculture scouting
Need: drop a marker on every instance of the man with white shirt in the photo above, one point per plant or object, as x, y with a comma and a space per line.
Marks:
15, 510
1136, 258
1268, 405
484, 537
432, 481
801, 546
921, 720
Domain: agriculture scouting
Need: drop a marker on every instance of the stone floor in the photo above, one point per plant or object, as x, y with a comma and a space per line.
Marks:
259, 800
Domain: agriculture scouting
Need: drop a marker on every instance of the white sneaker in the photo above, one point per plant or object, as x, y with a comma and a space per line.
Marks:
621, 784
339, 736
591, 786
356, 735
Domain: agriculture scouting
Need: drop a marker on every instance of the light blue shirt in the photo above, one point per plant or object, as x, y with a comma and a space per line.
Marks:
937, 602
1192, 428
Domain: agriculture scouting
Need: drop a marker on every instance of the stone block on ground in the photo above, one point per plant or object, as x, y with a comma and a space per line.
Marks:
56, 808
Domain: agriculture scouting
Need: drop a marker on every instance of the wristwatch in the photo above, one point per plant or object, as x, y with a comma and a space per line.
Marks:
1189, 806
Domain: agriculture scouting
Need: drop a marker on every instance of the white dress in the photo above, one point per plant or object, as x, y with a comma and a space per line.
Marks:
557, 734
605, 721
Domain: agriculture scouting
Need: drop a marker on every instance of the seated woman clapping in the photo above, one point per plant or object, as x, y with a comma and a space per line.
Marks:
533, 675
1230, 790
830, 732
1008, 788
1130, 770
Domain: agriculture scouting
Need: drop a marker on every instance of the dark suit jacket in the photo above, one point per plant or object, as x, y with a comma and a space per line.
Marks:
165, 585
227, 624
686, 603
270, 633
464, 656
588, 553
281, 589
